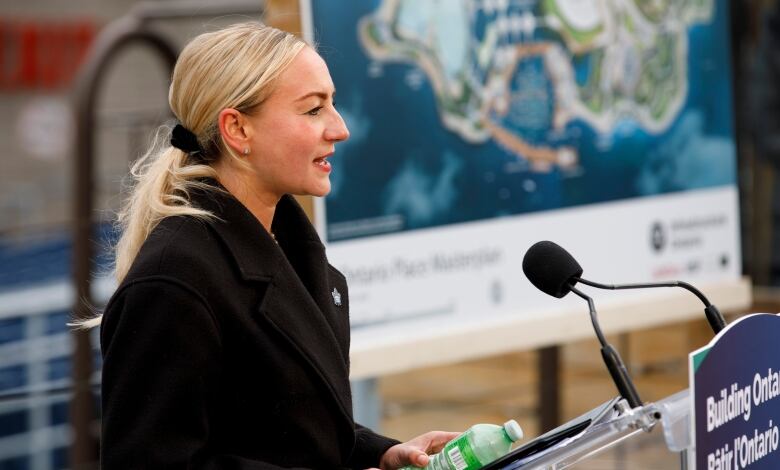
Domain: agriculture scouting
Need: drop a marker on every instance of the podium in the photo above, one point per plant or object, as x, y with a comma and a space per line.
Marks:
729, 415
612, 436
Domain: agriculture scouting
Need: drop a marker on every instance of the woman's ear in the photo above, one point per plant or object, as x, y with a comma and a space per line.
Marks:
233, 127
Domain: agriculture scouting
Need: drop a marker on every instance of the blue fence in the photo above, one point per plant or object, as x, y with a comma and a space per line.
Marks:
36, 297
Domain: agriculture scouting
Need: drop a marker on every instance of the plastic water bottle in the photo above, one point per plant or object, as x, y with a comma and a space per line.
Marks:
475, 448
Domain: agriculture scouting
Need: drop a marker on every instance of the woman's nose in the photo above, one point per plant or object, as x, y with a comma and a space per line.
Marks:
337, 130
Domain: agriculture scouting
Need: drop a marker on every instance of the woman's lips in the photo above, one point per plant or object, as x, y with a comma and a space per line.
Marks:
323, 164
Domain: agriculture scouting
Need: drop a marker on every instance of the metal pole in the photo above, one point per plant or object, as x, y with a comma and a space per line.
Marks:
116, 36
548, 399
187, 9
684, 460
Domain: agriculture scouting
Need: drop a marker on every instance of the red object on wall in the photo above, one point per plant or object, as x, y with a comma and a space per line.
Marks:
38, 55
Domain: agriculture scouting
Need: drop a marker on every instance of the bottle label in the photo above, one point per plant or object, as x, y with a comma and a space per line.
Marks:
460, 454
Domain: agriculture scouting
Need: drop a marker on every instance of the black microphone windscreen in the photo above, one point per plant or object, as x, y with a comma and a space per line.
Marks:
550, 268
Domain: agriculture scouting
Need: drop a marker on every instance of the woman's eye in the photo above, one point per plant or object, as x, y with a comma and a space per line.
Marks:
315, 111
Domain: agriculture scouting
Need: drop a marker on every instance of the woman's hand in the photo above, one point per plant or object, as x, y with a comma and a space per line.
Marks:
415, 451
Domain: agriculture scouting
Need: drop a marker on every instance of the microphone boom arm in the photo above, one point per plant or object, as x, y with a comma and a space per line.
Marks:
592, 311
714, 317
617, 369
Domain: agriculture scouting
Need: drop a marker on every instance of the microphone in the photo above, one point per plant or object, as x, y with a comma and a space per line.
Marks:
554, 271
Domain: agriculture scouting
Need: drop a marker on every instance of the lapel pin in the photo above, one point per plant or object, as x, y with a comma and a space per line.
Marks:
336, 297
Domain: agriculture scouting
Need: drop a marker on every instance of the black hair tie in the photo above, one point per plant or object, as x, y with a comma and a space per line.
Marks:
184, 140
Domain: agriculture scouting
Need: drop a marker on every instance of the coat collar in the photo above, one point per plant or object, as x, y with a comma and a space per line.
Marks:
296, 300
256, 253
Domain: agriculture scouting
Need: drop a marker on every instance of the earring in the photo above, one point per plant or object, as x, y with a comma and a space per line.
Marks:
246, 151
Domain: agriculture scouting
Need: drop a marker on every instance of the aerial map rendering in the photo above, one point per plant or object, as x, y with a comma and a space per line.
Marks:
473, 109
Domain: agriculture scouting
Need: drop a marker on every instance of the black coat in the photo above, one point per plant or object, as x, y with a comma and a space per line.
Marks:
224, 350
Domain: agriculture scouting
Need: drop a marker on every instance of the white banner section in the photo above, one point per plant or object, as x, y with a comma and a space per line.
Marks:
450, 293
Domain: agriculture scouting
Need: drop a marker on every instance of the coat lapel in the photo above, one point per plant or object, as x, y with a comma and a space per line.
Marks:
311, 335
294, 305
306, 255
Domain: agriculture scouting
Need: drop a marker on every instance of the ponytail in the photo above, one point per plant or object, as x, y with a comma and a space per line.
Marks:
159, 185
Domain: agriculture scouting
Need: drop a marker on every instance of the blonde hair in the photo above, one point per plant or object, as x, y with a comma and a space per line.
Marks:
235, 67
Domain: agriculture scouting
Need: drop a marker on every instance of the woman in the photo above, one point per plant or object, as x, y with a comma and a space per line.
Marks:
226, 343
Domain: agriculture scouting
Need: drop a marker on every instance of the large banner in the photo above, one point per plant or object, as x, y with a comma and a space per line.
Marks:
479, 127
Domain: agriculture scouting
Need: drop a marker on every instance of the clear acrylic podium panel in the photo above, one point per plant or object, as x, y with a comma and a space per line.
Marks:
612, 437
642, 451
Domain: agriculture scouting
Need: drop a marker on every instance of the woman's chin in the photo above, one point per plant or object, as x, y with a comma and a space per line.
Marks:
321, 190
